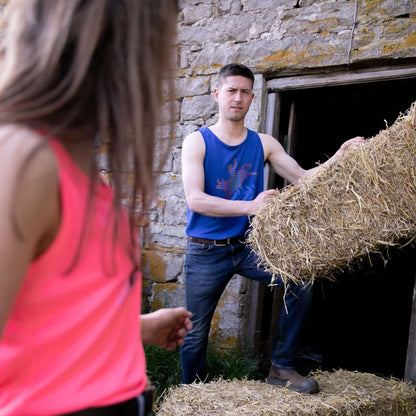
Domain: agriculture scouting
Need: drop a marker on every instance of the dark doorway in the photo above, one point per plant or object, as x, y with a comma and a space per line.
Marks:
361, 320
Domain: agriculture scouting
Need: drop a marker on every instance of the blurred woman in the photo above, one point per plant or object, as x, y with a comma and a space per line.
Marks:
77, 74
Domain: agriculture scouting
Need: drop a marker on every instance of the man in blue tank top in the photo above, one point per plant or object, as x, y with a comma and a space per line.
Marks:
222, 173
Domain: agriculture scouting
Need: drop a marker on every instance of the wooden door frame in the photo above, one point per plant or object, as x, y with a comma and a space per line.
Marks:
273, 110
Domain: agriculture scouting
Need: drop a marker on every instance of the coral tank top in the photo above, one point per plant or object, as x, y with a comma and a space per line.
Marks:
72, 339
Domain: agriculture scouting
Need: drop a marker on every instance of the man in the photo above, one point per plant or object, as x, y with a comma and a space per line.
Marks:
222, 173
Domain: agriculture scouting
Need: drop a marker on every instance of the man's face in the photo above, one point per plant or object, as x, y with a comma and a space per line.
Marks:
234, 97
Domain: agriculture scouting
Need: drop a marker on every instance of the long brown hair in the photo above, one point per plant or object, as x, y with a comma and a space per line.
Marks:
97, 65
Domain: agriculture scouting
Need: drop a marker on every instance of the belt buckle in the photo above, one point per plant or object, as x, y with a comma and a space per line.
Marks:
227, 243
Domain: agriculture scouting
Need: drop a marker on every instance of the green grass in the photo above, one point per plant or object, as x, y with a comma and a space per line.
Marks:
164, 367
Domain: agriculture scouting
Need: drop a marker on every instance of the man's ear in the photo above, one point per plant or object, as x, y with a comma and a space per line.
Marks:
215, 94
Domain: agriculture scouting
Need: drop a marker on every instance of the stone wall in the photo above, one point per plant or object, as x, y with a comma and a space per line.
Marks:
275, 38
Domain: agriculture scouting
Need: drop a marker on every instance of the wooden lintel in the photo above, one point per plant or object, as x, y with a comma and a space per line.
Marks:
341, 78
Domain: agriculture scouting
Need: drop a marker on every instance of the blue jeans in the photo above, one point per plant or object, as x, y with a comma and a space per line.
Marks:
208, 269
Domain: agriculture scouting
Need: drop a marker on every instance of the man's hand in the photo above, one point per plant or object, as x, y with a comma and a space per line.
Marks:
261, 199
166, 328
350, 145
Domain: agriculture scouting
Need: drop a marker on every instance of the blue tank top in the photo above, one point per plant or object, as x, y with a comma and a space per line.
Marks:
231, 172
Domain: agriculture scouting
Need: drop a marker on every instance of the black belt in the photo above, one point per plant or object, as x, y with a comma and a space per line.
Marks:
219, 243
138, 406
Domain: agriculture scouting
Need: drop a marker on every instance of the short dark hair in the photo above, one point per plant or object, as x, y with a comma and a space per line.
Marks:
234, 70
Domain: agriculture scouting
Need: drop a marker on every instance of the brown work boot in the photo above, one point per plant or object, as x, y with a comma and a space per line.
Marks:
292, 380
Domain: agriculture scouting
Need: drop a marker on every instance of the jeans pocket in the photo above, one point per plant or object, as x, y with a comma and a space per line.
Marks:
198, 247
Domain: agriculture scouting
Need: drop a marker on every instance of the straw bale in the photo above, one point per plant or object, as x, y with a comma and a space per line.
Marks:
342, 393
357, 205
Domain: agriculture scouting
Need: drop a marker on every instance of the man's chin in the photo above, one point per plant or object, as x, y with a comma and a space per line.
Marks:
238, 117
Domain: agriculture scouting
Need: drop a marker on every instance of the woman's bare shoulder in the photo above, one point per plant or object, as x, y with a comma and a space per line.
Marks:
22, 149
30, 184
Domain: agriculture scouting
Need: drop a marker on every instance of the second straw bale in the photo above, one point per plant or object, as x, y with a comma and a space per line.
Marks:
357, 205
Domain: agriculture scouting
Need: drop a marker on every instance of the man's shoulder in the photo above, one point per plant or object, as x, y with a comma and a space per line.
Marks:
263, 135
194, 142
257, 133
271, 145
195, 135
264, 138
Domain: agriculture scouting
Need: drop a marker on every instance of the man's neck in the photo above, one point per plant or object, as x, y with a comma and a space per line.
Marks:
231, 133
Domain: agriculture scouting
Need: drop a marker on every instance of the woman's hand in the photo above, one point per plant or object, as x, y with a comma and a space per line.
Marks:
166, 328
